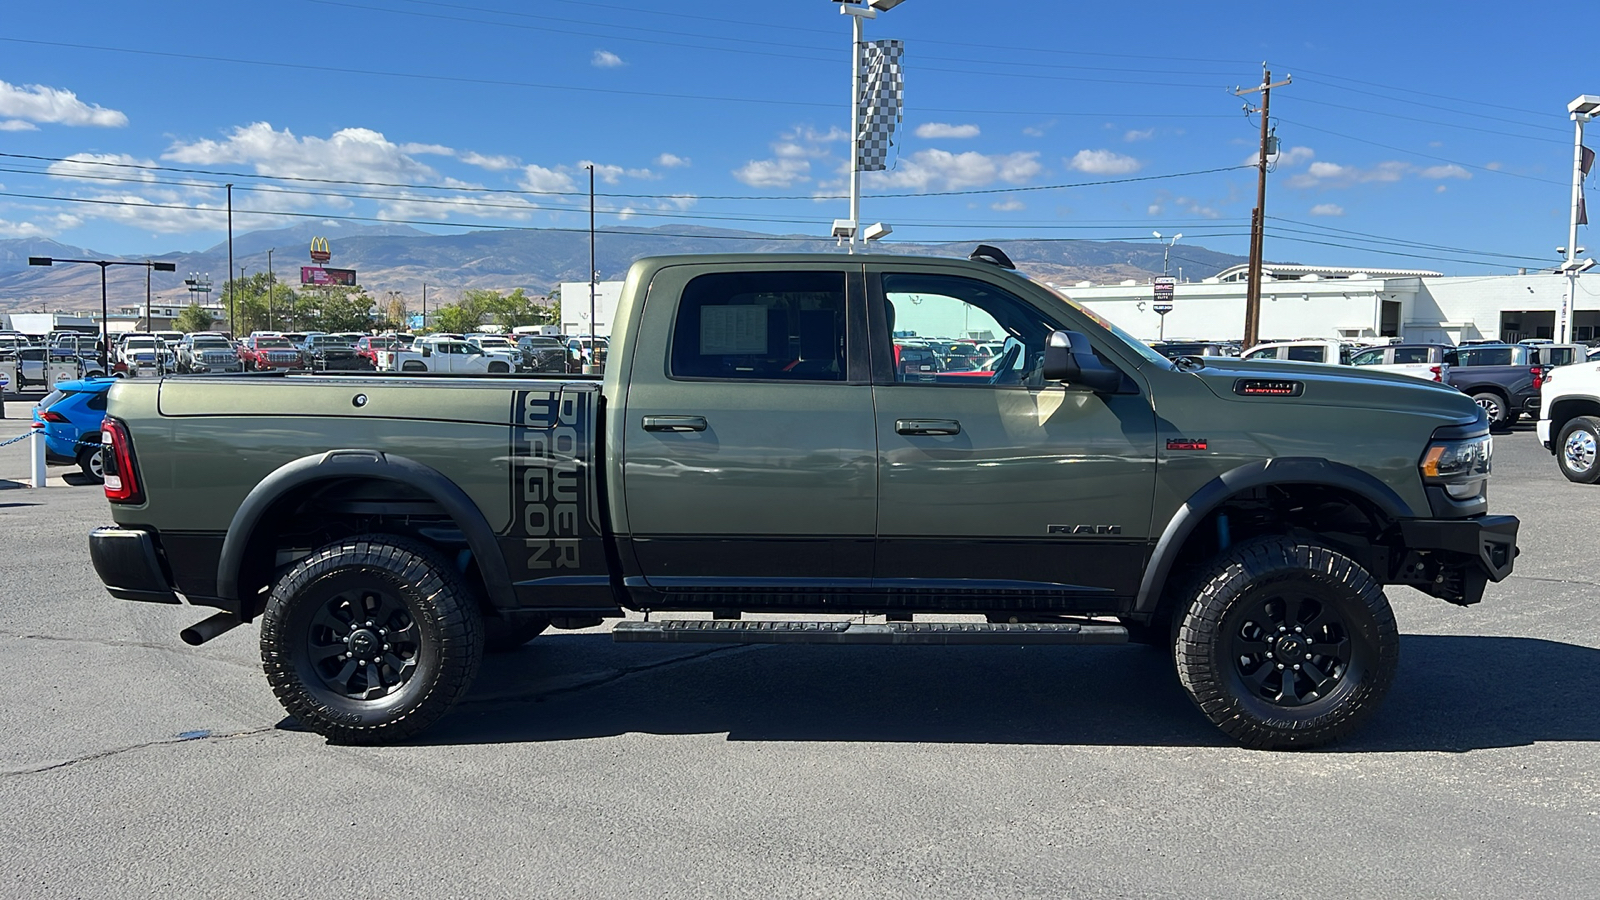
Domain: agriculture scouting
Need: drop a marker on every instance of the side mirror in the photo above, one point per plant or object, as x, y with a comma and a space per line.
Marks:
426, 351
1069, 358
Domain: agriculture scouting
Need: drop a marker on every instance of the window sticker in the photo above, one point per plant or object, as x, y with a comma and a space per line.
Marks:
733, 330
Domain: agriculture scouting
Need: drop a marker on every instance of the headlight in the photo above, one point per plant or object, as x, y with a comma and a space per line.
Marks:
1462, 466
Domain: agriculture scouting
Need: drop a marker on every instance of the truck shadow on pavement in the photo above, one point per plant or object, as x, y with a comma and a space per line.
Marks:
1453, 694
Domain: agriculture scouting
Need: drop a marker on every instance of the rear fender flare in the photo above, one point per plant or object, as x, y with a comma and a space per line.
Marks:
1261, 473
368, 464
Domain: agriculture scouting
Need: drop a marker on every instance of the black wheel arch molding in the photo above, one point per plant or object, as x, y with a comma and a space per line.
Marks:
342, 464
1279, 471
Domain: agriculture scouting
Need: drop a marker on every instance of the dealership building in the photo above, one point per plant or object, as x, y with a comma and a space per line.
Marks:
1357, 304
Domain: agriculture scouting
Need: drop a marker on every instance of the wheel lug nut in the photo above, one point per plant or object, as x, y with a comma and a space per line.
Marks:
1297, 667
386, 646
1282, 629
369, 623
1298, 629
1269, 654
1280, 667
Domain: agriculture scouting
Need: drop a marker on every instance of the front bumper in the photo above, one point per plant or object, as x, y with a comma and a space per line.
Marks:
126, 561
1542, 430
1454, 559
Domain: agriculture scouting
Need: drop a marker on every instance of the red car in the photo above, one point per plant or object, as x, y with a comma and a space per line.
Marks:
368, 347
265, 353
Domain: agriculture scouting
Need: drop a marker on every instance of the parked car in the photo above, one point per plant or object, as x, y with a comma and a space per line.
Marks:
1418, 360
436, 354
583, 351
542, 353
1175, 349
71, 415
143, 353
1504, 379
203, 352
334, 353
368, 346
1569, 420
756, 454
261, 354
1317, 351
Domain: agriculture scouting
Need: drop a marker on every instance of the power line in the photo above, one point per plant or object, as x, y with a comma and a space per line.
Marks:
1466, 165
1400, 241
1526, 137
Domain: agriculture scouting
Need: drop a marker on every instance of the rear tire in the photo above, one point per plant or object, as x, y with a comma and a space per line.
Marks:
499, 368
1287, 644
92, 462
1578, 450
370, 639
1496, 407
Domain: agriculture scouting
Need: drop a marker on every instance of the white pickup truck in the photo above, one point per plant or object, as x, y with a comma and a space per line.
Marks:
1425, 361
447, 354
1569, 420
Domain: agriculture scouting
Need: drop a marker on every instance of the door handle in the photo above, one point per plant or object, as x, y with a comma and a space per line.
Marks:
674, 423
927, 426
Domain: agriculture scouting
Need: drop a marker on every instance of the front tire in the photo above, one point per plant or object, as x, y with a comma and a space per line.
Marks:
1578, 450
1287, 644
370, 639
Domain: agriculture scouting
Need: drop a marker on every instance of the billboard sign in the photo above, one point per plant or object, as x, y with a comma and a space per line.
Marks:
1164, 286
321, 277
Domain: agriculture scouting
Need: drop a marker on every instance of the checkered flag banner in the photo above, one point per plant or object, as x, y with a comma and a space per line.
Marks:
882, 84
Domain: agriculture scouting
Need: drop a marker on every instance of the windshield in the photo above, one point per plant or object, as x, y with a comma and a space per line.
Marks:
143, 344
212, 344
1138, 346
274, 344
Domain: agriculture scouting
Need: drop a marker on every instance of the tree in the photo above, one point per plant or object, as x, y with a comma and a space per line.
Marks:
193, 319
335, 309
459, 318
395, 316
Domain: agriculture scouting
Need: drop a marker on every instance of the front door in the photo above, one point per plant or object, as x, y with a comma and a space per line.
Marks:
996, 489
749, 471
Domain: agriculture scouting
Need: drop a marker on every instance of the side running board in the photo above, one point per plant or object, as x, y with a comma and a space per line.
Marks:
714, 631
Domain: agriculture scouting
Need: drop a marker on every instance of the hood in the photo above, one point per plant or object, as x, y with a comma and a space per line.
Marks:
1321, 384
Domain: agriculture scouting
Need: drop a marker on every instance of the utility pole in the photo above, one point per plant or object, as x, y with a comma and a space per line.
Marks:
593, 276
233, 331
424, 304
270, 281
1258, 216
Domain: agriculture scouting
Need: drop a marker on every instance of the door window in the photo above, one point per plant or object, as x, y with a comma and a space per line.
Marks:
925, 311
1411, 355
1268, 353
786, 326
1307, 354
1370, 358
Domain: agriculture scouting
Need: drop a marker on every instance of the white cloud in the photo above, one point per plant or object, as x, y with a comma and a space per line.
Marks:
20, 230
941, 170
611, 174
17, 125
1439, 189
1327, 209
492, 163
356, 154
538, 178
1446, 171
118, 165
1145, 135
1492, 166
1153, 209
671, 161
1293, 156
1012, 205
937, 130
1327, 174
428, 149
1104, 162
54, 106
1038, 130
781, 172
605, 59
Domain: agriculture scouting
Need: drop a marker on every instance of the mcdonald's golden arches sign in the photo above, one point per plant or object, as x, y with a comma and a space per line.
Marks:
319, 250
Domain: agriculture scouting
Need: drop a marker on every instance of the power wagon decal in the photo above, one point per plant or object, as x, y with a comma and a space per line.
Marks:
554, 539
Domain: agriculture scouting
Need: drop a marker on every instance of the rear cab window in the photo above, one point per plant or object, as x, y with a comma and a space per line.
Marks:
761, 326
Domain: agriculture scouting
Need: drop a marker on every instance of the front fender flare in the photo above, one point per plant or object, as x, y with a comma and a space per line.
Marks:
1261, 473
336, 464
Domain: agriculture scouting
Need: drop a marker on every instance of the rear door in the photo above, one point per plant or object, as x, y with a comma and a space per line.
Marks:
996, 488
749, 461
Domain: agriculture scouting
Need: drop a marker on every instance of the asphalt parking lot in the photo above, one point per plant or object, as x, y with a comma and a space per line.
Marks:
133, 765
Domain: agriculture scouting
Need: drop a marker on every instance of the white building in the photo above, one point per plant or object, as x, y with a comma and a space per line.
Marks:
575, 306
1359, 304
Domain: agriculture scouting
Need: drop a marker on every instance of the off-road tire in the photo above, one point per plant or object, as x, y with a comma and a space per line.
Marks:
1498, 410
91, 462
1578, 450
422, 605
505, 635
1336, 602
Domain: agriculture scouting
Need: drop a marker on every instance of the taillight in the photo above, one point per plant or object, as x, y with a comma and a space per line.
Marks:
1438, 373
51, 415
1538, 376
121, 476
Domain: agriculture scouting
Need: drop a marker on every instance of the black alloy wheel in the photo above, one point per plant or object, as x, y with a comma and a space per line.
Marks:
1287, 644
370, 639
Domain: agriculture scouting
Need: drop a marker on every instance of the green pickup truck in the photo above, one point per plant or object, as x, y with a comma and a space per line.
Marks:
753, 452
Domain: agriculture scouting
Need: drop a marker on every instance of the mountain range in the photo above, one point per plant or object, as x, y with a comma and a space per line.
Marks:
401, 258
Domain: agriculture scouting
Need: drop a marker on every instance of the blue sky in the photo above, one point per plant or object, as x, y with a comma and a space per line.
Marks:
1420, 135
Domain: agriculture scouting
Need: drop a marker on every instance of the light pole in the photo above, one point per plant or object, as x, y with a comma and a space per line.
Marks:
271, 280
1582, 109
857, 10
105, 324
1166, 249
